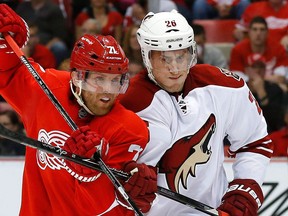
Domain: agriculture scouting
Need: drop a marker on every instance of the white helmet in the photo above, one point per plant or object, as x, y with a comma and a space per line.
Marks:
165, 31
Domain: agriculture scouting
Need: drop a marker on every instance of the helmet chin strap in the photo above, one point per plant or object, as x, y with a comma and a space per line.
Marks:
151, 76
79, 98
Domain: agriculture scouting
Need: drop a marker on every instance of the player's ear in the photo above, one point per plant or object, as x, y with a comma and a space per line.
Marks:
74, 78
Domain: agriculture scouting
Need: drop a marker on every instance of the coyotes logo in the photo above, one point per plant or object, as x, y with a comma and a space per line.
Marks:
183, 157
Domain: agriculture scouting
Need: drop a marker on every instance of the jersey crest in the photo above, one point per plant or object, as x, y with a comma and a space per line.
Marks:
54, 138
181, 159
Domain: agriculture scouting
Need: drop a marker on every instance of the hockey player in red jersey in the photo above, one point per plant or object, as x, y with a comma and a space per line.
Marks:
189, 110
51, 185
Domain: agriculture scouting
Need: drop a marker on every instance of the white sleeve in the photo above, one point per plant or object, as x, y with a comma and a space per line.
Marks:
158, 116
247, 126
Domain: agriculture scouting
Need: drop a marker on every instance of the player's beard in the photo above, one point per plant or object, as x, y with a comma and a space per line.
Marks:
99, 103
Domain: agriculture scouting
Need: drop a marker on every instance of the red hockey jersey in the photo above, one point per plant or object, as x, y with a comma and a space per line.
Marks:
48, 189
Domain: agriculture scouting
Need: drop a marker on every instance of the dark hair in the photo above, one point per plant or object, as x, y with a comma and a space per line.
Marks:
198, 29
258, 19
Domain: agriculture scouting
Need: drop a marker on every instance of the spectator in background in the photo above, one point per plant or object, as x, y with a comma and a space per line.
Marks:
122, 5
10, 120
51, 23
207, 54
90, 26
269, 95
110, 20
219, 9
137, 11
135, 67
37, 51
280, 138
257, 47
132, 50
130, 45
275, 13
67, 11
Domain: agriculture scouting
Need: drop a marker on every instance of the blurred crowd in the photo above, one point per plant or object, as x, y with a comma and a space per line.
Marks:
259, 53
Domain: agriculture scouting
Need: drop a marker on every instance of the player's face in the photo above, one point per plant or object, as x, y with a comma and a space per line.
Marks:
100, 91
170, 68
99, 103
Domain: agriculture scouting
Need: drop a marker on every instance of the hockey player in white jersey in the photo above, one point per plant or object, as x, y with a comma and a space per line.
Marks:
189, 110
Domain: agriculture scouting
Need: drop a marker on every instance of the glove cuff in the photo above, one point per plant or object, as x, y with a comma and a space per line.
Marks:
81, 177
248, 188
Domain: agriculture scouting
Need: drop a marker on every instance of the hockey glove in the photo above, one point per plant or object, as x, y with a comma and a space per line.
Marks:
11, 22
85, 143
243, 198
141, 186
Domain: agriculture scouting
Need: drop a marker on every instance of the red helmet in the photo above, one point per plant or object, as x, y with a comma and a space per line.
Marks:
98, 53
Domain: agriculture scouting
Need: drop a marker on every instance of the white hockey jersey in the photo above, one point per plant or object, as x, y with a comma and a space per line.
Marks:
187, 130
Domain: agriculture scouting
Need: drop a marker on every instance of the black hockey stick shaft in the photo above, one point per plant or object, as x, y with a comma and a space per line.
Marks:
68, 119
57, 151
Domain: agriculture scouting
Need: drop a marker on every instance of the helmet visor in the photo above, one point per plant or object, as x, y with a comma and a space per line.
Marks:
101, 82
171, 61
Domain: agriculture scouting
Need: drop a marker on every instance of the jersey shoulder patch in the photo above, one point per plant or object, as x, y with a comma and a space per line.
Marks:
203, 75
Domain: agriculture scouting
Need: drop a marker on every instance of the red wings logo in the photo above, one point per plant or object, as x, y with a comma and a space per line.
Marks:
181, 159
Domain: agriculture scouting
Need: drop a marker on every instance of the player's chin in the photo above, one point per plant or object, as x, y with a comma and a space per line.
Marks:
173, 88
103, 109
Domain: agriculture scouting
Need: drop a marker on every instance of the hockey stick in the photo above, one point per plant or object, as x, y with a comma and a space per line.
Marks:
68, 119
57, 151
